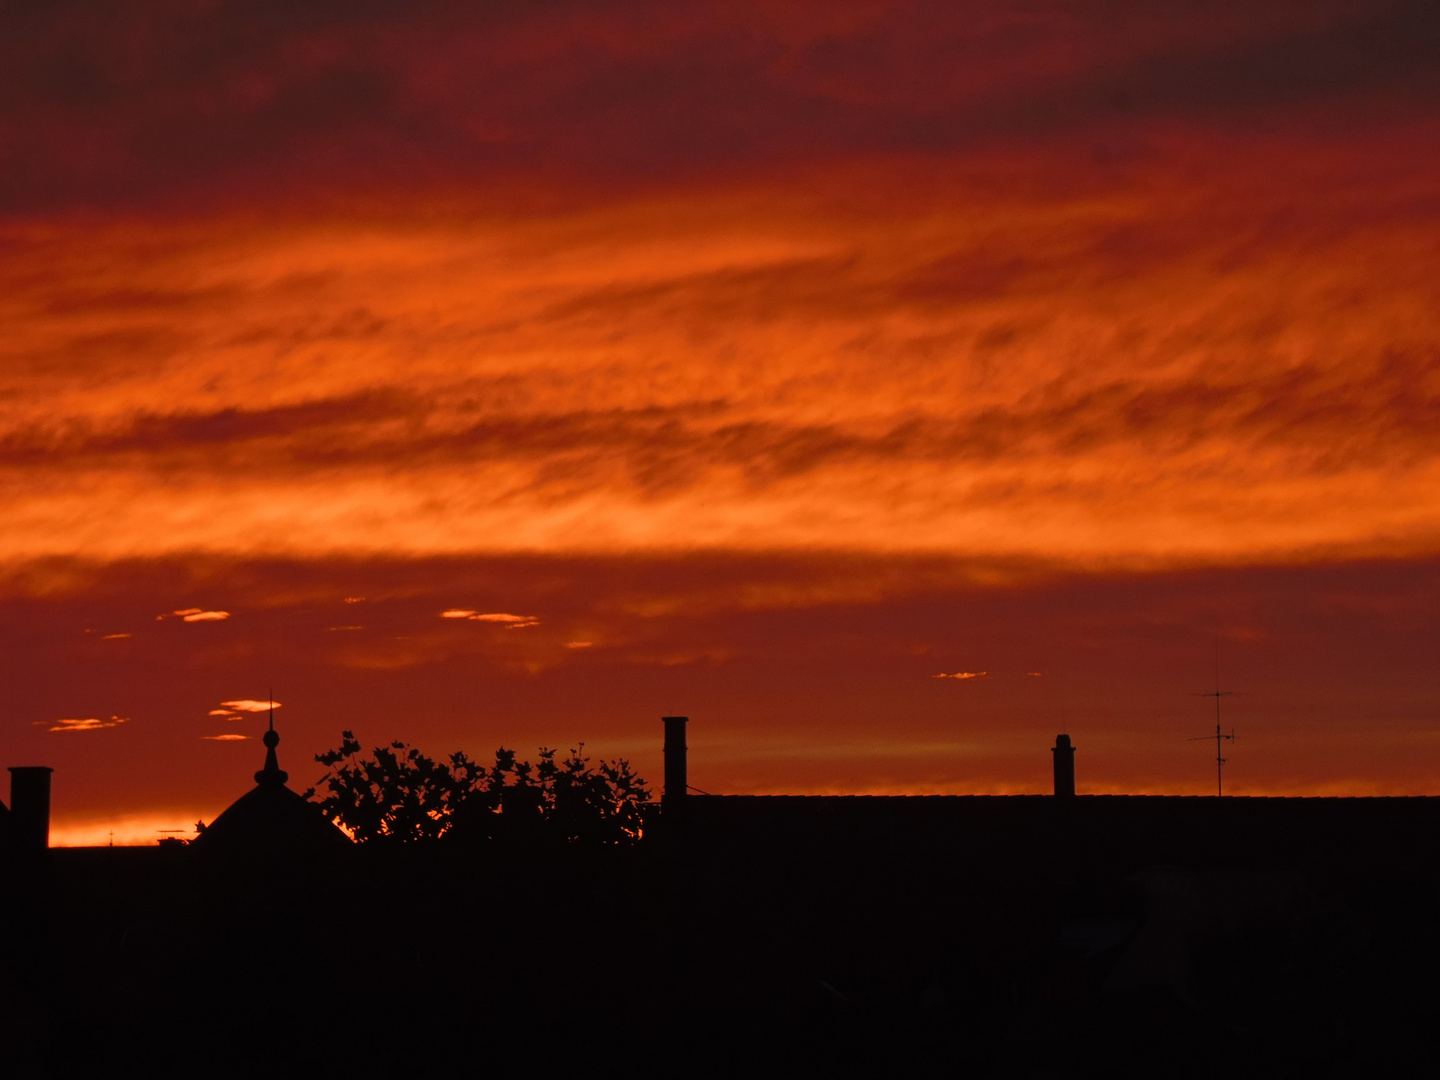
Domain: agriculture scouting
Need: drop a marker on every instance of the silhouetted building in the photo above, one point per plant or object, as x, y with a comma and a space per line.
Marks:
270, 820
25, 825
989, 936
1075, 935
1109, 833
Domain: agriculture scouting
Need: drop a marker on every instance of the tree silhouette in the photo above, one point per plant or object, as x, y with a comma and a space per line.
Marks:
401, 795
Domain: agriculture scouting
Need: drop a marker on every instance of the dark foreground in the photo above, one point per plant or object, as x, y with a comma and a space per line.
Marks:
979, 938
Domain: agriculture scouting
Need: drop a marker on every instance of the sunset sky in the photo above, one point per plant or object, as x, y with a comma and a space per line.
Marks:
521, 373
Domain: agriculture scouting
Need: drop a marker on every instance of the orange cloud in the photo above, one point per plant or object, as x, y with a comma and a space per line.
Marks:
512, 622
88, 724
962, 675
249, 705
977, 369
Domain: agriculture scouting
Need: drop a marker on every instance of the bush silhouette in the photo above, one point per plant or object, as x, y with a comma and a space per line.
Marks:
401, 795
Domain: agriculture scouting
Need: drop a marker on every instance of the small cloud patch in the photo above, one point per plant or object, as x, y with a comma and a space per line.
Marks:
578, 644
113, 637
1033, 674
89, 723
248, 705
345, 628
962, 675
511, 622
194, 614
354, 599
227, 737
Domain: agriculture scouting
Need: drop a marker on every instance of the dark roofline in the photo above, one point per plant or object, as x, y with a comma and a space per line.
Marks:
1049, 798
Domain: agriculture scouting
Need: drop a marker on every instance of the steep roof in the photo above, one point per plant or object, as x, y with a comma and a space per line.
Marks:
270, 820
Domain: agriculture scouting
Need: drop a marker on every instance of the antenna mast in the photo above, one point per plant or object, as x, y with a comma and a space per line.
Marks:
1219, 738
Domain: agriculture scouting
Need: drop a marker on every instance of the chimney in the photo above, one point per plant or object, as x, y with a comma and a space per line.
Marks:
676, 780
1064, 765
30, 806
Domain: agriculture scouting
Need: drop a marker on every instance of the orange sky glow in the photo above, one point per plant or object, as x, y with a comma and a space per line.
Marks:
521, 377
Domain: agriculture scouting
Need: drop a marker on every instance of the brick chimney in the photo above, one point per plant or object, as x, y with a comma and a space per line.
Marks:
30, 807
676, 778
1064, 765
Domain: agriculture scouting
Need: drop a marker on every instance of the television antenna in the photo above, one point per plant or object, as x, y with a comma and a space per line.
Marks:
1219, 737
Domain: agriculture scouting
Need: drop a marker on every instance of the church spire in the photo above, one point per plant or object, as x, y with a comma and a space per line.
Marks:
271, 775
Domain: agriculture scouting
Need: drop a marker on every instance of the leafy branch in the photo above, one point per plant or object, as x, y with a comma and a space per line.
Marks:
402, 795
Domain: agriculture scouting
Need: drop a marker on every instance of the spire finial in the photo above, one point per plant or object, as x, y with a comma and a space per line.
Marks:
271, 775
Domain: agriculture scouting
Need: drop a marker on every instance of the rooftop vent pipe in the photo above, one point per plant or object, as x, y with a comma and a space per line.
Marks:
676, 779
1064, 765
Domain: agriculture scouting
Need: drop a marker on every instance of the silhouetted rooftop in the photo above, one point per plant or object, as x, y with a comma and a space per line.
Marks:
270, 819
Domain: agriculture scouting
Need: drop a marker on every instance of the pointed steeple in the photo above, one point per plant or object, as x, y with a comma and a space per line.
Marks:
271, 775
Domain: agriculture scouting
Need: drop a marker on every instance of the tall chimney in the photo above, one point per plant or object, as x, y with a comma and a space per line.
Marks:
676, 780
30, 806
1064, 765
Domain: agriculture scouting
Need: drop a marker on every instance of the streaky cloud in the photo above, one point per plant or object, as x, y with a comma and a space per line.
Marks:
87, 724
